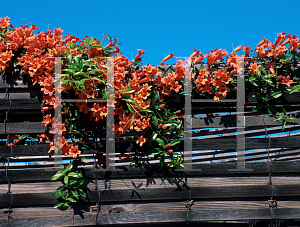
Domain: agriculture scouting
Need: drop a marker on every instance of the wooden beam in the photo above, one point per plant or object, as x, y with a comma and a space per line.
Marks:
174, 213
22, 127
206, 169
162, 189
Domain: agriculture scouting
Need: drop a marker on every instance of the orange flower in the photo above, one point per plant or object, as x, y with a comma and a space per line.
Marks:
74, 151
199, 59
270, 66
254, 67
83, 107
196, 53
46, 136
240, 47
294, 43
11, 140
141, 52
176, 86
167, 57
143, 92
207, 88
4, 22
99, 111
141, 140
247, 50
125, 156
280, 38
286, 81
48, 120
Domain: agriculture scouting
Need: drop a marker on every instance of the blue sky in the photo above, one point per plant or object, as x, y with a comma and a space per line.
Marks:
161, 26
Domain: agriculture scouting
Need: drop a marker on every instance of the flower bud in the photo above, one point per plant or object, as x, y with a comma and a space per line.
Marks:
167, 146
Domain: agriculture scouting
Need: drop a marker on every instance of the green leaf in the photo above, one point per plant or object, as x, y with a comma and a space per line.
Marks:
290, 118
128, 90
58, 205
270, 83
258, 72
167, 71
130, 99
56, 192
76, 175
279, 117
275, 95
162, 143
57, 175
75, 193
73, 182
81, 192
161, 162
70, 165
283, 110
154, 135
258, 107
253, 83
88, 41
132, 118
271, 110
154, 151
156, 98
130, 108
71, 199
155, 121
259, 96
295, 89
147, 110
96, 46
66, 179
63, 196
174, 142
283, 124
23, 136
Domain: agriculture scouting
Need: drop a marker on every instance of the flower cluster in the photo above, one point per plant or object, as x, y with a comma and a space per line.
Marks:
140, 92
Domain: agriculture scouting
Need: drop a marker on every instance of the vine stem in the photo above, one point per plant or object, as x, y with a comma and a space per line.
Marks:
135, 110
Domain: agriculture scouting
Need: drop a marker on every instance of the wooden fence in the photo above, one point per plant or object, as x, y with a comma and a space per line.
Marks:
147, 196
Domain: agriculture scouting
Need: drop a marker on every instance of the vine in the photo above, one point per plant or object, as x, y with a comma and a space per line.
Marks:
144, 98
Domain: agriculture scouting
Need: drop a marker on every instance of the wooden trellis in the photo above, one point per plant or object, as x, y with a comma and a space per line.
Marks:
143, 195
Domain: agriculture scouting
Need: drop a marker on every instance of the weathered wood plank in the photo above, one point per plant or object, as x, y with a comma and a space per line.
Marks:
20, 104
159, 189
13, 96
155, 213
231, 121
158, 183
25, 150
250, 143
22, 127
212, 169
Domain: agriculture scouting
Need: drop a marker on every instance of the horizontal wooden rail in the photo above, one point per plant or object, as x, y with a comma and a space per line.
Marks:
206, 169
197, 122
162, 214
162, 189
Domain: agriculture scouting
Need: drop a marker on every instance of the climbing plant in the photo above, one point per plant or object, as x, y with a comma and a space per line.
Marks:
143, 96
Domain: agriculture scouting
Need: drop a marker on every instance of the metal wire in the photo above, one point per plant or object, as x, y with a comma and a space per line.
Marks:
268, 167
189, 201
96, 183
8, 158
